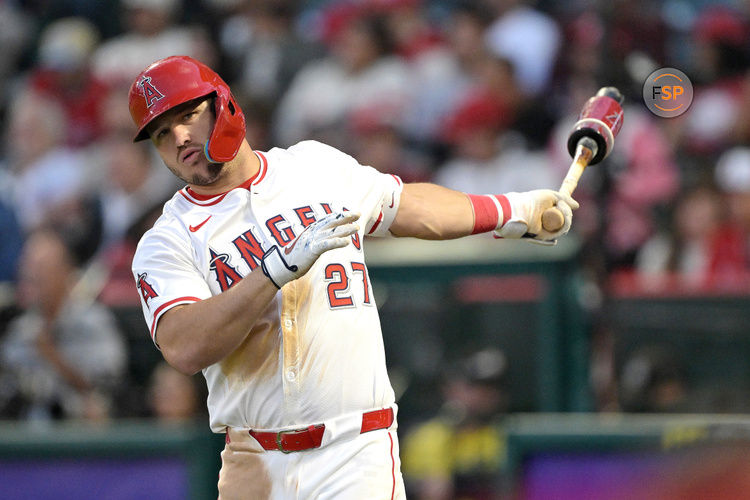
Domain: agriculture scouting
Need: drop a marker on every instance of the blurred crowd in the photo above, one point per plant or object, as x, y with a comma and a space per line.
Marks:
475, 95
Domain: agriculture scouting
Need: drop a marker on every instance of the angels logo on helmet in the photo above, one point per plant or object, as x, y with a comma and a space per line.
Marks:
150, 93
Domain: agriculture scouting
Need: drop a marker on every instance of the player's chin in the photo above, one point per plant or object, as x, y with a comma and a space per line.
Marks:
212, 173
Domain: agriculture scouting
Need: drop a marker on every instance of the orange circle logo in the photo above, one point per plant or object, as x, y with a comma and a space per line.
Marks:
667, 92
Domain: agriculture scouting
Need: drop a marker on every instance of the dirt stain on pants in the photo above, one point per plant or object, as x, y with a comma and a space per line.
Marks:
243, 474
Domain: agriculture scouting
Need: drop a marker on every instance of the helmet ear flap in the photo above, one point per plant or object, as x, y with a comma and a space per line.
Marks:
229, 129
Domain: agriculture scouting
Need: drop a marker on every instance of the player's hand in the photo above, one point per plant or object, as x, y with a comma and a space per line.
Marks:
288, 263
526, 215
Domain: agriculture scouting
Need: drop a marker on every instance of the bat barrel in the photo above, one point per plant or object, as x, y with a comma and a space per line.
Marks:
600, 120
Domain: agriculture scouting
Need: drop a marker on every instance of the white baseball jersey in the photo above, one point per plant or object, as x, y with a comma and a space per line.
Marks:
317, 351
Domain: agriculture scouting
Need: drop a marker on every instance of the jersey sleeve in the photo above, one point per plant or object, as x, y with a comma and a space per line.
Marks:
384, 198
374, 194
166, 274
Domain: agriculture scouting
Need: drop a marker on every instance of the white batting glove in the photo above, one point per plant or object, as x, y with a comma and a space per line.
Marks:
526, 215
283, 265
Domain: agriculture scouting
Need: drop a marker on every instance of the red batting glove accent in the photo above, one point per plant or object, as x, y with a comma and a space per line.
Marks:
485, 213
505, 204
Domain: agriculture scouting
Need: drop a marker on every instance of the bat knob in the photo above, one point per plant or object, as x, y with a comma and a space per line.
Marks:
552, 220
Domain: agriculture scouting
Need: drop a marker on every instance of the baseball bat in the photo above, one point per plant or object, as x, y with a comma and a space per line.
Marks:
591, 141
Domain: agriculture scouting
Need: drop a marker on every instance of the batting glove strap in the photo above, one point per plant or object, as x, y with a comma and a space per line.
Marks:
277, 269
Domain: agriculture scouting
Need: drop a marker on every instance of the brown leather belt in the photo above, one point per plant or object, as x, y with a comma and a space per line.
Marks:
311, 436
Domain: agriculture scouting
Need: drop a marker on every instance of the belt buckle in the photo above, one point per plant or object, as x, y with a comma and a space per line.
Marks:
278, 439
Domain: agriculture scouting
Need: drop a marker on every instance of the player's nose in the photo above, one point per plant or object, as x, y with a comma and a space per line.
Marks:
181, 134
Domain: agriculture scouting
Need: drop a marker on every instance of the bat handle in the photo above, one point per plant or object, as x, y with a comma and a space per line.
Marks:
552, 218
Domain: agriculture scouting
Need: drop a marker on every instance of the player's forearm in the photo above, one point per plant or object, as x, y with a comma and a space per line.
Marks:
433, 212
198, 335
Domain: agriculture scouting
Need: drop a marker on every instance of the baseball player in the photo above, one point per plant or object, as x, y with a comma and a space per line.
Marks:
255, 275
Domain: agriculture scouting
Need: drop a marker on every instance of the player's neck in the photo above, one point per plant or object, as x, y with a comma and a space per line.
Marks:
244, 166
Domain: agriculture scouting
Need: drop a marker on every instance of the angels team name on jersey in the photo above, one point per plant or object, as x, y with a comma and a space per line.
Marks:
250, 248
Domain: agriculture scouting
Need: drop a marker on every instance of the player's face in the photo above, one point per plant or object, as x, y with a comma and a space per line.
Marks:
180, 136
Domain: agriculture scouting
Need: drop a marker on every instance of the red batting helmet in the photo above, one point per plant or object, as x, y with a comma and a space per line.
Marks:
175, 80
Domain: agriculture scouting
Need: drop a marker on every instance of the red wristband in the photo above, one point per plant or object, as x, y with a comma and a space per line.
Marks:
505, 205
486, 215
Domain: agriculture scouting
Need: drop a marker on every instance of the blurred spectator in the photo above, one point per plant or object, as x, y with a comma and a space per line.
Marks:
11, 238
653, 379
581, 65
721, 59
16, 33
741, 128
459, 453
412, 32
262, 50
258, 123
63, 75
497, 80
47, 174
445, 73
360, 73
132, 185
151, 34
172, 396
63, 357
484, 158
721, 34
701, 247
529, 39
376, 142
633, 27
732, 176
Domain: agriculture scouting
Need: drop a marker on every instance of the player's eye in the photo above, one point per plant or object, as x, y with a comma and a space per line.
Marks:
159, 134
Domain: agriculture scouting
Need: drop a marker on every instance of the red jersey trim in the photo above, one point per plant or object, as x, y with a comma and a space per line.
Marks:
377, 223
393, 468
208, 200
196, 198
258, 177
168, 305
